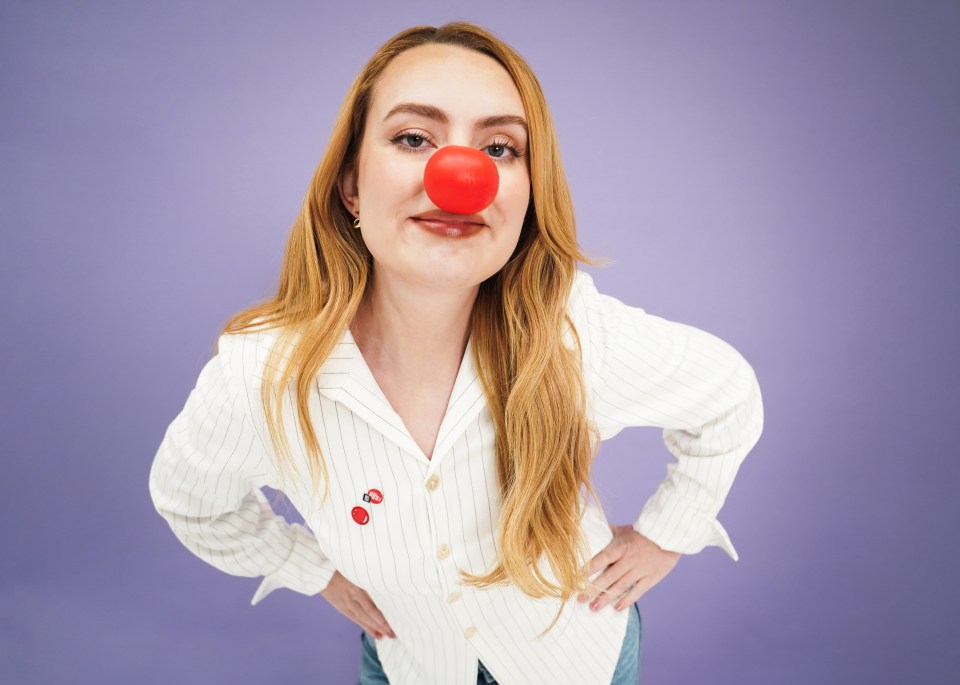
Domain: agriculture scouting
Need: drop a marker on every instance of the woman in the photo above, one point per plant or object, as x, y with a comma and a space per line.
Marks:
447, 377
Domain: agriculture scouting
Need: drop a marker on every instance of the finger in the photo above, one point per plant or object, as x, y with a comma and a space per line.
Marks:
634, 594
598, 588
381, 621
625, 579
595, 588
615, 592
351, 611
604, 559
364, 622
371, 631
357, 613
373, 615
601, 584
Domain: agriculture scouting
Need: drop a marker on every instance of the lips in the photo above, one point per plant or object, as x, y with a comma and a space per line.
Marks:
450, 225
450, 219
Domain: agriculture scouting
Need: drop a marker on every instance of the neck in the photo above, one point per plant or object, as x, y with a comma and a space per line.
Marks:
414, 330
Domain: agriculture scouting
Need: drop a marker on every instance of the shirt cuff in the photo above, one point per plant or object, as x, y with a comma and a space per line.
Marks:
307, 570
679, 528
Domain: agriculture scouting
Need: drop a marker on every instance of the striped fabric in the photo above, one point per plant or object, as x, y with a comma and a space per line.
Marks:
430, 517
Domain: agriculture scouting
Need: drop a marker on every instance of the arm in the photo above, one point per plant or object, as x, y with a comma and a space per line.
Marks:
205, 481
643, 370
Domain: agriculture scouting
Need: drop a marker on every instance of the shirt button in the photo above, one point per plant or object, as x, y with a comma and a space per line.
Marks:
443, 551
454, 596
470, 632
433, 481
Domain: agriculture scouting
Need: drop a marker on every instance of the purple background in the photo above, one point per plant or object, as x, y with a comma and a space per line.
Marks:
783, 175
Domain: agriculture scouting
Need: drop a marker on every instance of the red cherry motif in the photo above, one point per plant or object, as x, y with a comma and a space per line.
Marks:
461, 180
360, 515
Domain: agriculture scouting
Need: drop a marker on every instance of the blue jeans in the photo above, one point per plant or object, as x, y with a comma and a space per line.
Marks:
627, 671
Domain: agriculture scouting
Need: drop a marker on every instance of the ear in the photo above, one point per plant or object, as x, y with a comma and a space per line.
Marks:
349, 192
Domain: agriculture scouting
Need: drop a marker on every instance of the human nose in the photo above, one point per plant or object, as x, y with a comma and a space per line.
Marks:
461, 180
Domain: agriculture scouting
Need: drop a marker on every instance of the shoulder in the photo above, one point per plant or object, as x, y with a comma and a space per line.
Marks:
584, 311
583, 285
582, 293
616, 333
245, 355
596, 312
586, 301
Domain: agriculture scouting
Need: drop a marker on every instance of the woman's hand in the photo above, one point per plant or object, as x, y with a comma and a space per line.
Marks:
633, 564
354, 603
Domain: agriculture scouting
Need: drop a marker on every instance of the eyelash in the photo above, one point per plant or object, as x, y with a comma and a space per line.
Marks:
517, 153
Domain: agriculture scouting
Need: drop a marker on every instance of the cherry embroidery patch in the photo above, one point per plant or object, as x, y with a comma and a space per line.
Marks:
359, 514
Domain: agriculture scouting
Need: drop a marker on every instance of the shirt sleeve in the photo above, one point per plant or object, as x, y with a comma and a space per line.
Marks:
643, 370
205, 482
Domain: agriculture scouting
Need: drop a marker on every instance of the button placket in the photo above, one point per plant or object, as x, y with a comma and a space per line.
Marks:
444, 552
431, 484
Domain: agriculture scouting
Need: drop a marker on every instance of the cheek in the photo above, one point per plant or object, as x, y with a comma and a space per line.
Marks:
386, 179
514, 196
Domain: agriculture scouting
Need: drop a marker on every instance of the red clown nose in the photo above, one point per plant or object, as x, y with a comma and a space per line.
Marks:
461, 180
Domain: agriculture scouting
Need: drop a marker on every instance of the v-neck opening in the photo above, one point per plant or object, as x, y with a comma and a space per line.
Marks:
360, 372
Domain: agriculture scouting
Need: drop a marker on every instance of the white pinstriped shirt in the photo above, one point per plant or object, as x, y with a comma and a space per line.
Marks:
435, 516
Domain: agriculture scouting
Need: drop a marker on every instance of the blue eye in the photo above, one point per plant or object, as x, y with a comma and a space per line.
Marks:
415, 140
499, 148
412, 136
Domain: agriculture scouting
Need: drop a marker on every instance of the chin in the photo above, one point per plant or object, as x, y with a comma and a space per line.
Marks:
451, 281
451, 276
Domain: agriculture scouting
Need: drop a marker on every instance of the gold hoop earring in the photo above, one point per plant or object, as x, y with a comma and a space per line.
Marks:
356, 222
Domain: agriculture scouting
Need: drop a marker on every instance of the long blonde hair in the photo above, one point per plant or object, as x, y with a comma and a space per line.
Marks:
533, 383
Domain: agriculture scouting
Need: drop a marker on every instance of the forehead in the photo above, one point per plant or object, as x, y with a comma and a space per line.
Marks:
460, 81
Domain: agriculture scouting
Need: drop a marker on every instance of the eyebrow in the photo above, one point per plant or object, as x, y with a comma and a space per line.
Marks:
437, 114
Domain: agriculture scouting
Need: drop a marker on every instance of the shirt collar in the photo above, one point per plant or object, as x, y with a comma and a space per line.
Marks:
345, 377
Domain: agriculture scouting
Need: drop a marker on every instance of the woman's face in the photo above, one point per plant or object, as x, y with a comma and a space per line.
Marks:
429, 97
